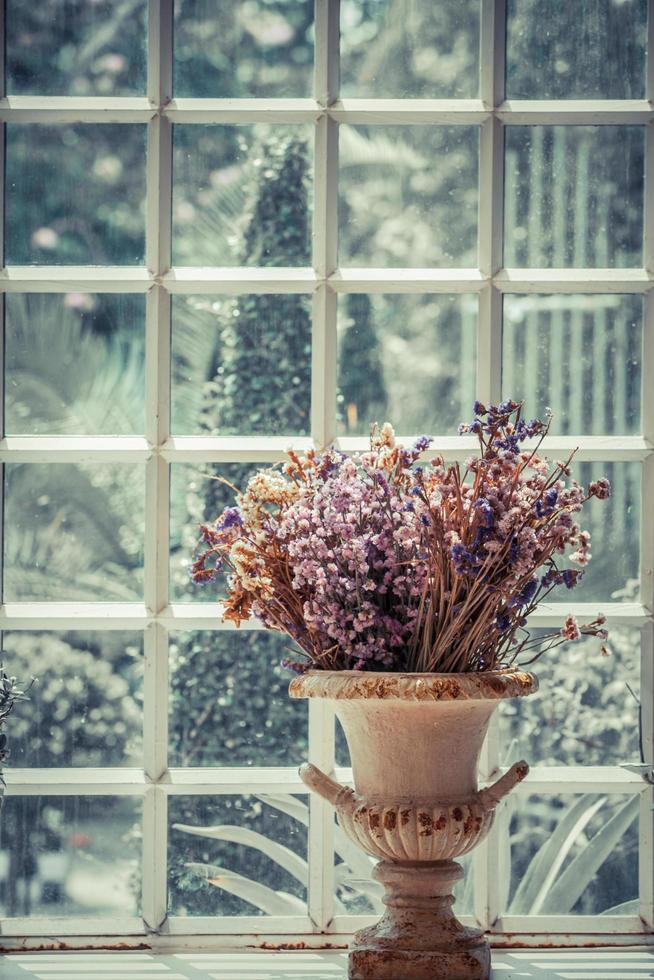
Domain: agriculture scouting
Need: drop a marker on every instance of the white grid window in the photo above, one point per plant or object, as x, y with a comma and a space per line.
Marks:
504, 129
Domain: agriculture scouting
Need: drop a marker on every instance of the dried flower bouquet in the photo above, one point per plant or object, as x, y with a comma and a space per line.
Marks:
378, 562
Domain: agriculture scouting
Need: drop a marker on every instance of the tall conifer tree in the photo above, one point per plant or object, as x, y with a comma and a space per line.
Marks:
223, 683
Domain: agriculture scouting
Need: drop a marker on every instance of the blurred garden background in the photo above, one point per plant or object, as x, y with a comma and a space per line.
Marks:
242, 196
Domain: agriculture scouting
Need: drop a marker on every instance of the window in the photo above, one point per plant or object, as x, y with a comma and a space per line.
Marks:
208, 256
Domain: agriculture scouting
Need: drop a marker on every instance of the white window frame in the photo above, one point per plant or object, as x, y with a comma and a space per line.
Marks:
158, 449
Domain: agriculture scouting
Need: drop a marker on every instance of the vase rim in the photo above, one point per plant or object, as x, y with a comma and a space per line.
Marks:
351, 685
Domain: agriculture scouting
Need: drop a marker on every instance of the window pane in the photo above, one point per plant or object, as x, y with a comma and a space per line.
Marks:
75, 194
74, 532
75, 363
69, 856
420, 50
85, 707
573, 854
257, 858
240, 195
73, 47
198, 494
614, 526
242, 364
229, 703
574, 196
586, 711
397, 208
410, 360
243, 50
592, 49
579, 354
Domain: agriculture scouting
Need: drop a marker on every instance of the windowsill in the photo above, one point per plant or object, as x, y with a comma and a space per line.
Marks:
571, 964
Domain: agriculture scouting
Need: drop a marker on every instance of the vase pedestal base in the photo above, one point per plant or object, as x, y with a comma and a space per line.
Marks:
419, 937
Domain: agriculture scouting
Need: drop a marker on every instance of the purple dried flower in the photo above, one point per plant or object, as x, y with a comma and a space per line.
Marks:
422, 443
231, 517
571, 577
370, 564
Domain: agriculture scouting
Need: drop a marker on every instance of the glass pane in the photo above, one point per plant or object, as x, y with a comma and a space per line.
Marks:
586, 711
75, 363
240, 195
581, 355
397, 208
70, 856
242, 364
74, 532
73, 47
229, 703
407, 359
75, 194
573, 854
614, 527
592, 49
358, 894
420, 50
574, 196
257, 866
85, 707
197, 496
258, 49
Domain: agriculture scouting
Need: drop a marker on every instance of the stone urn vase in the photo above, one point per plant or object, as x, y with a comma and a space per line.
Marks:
415, 741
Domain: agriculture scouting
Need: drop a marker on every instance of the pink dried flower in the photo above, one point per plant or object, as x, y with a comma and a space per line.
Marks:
571, 629
600, 489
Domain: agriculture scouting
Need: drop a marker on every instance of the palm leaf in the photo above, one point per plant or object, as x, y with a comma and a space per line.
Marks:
356, 150
572, 883
195, 342
97, 390
265, 899
289, 805
625, 908
359, 862
292, 863
545, 864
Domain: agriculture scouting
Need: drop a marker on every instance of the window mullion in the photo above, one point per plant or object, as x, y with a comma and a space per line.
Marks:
34, 616
229, 781
320, 896
325, 226
452, 112
571, 112
487, 857
228, 449
157, 479
2, 298
574, 280
55, 109
80, 278
646, 824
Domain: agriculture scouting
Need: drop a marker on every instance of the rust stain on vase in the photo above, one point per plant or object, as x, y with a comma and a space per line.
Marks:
346, 685
390, 820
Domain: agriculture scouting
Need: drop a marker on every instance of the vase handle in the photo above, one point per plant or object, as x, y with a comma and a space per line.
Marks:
317, 781
325, 786
492, 795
